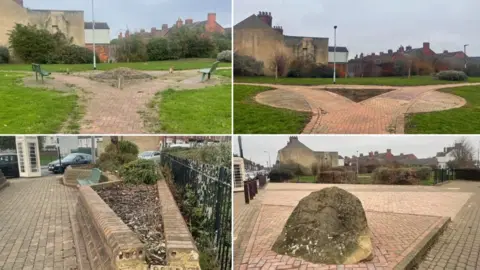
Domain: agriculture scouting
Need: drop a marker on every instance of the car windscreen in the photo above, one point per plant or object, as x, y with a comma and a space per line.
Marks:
69, 158
146, 154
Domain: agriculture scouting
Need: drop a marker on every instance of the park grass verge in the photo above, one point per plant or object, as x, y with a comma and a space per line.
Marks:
182, 64
387, 81
224, 72
32, 110
199, 111
251, 117
464, 120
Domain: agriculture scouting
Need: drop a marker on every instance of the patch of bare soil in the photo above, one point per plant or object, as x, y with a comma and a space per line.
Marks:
358, 95
126, 76
139, 208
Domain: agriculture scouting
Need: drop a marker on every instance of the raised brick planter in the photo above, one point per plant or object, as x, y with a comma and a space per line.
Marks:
110, 243
180, 247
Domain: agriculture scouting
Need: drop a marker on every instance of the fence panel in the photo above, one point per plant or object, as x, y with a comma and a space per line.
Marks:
443, 175
212, 187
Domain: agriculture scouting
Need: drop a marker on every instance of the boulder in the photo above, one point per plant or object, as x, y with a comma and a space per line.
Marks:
328, 227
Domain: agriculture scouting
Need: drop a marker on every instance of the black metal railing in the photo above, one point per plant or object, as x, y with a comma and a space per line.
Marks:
443, 175
213, 189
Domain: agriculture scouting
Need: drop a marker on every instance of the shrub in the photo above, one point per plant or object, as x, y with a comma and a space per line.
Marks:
222, 42
395, 176
336, 177
225, 56
301, 68
128, 147
451, 75
424, 173
247, 66
157, 50
4, 55
73, 54
115, 156
140, 171
280, 174
31, 44
131, 49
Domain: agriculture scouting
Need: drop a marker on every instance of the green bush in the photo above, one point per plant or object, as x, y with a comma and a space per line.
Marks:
31, 44
158, 49
280, 174
131, 49
395, 176
424, 173
300, 68
225, 56
140, 171
115, 156
336, 177
247, 66
4, 55
73, 54
222, 42
451, 75
128, 147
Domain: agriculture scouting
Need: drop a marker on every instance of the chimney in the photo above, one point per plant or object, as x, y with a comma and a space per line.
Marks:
445, 51
127, 33
164, 26
20, 2
373, 54
390, 51
266, 17
211, 25
279, 29
120, 36
188, 21
179, 23
409, 48
401, 49
153, 30
426, 45
370, 154
376, 153
389, 151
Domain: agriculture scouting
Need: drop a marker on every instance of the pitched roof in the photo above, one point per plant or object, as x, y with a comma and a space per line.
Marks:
252, 22
98, 25
295, 40
339, 49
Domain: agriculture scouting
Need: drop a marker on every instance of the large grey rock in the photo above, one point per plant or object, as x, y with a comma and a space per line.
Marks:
328, 226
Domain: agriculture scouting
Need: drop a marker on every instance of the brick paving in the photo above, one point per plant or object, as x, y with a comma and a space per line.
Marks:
382, 114
400, 217
459, 246
112, 110
35, 225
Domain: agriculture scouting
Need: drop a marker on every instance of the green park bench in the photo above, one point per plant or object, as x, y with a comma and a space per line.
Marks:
94, 178
38, 70
208, 71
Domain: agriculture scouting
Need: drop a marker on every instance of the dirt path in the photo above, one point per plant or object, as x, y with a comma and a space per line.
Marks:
382, 114
111, 110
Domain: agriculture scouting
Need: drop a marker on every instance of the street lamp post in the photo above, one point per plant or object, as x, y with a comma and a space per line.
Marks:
465, 53
93, 36
269, 160
334, 54
357, 163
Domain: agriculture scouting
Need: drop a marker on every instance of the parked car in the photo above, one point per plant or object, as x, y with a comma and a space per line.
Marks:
52, 164
71, 159
9, 165
151, 155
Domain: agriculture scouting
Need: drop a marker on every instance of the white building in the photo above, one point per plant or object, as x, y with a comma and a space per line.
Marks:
341, 161
66, 143
86, 141
102, 33
447, 155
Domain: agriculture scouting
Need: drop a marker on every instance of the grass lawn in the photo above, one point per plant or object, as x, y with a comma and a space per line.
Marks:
303, 179
391, 81
253, 118
32, 111
201, 111
181, 64
464, 120
224, 72
44, 160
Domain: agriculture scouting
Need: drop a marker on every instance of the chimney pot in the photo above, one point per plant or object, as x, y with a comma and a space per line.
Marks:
426, 45
445, 51
389, 151
164, 26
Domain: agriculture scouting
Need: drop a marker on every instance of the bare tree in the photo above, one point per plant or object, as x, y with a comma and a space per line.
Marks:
279, 62
462, 153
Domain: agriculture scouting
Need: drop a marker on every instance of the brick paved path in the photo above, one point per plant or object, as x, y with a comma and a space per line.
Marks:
459, 246
112, 110
382, 114
35, 227
399, 217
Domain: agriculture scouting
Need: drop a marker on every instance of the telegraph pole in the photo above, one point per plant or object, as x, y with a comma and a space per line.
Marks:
334, 54
93, 36
240, 146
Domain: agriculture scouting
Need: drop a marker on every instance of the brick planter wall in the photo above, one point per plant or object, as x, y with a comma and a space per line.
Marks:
110, 243
180, 246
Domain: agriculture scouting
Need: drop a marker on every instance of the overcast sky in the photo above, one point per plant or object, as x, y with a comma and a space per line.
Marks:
139, 14
376, 25
254, 147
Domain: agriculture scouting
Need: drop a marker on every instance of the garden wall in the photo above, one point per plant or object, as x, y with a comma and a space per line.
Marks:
180, 246
110, 243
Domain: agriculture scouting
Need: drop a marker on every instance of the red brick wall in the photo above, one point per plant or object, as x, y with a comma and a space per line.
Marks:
340, 69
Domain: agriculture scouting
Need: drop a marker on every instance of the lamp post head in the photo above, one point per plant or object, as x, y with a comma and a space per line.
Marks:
335, 27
